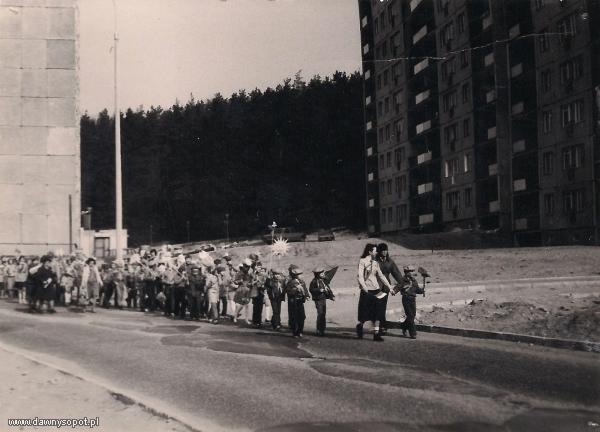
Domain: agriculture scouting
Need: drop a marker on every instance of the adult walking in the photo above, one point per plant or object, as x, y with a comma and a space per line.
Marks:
389, 269
91, 282
45, 281
370, 304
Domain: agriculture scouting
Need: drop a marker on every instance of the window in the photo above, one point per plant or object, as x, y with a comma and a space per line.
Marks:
398, 220
572, 112
450, 167
380, 107
398, 127
567, 28
547, 121
388, 132
397, 185
571, 70
450, 136
466, 128
379, 82
467, 162
381, 162
387, 105
547, 163
468, 197
448, 68
572, 157
449, 101
461, 23
380, 135
403, 212
466, 90
389, 160
399, 155
543, 41
549, 204
539, 4
383, 213
546, 78
397, 101
403, 184
386, 77
573, 201
447, 34
396, 71
391, 17
376, 25
389, 187
382, 20
464, 58
384, 49
390, 215
452, 200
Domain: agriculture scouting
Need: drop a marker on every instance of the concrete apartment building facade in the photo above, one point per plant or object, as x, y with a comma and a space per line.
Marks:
39, 126
482, 114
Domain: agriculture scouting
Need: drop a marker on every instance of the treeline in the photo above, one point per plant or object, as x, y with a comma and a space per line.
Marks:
293, 154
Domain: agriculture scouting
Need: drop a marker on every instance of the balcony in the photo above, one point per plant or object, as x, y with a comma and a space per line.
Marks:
371, 203
490, 96
519, 185
486, 22
370, 151
517, 108
494, 206
368, 100
519, 146
371, 177
425, 219
521, 224
420, 34
422, 127
367, 74
424, 157
414, 3
364, 21
420, 66
493, 169
488, 59
424, 188
491, 133
369, 125
516, 70
514, 31
366, 49
422, 96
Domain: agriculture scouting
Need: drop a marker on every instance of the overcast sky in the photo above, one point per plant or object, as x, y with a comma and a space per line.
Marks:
171, 48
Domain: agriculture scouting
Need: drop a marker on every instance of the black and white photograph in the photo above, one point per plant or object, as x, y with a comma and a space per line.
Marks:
300, 215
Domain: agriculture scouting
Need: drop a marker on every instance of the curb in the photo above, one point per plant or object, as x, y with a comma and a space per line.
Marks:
510, 337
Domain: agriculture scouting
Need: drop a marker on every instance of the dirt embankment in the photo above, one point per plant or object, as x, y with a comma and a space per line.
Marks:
563, 318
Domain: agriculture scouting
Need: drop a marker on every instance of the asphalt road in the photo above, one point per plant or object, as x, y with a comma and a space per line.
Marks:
224, 377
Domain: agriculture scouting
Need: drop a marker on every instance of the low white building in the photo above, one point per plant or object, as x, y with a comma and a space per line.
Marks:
102, 243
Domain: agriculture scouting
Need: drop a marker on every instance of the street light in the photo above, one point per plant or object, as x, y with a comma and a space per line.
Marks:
118, 181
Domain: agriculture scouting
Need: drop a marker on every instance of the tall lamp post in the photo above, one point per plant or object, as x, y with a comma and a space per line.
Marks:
118, 180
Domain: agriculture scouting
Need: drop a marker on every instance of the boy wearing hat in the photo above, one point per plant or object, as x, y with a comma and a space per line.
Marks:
297, 294
409, 288
388, 268
91, 281
320, 292
242, 284
275, 286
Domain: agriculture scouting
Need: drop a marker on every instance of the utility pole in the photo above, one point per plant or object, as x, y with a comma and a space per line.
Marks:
118, 180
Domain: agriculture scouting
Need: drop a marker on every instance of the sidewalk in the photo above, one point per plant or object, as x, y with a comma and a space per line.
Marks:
31, 390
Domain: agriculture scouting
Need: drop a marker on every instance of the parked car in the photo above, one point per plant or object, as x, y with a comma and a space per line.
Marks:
325, 235
285, 233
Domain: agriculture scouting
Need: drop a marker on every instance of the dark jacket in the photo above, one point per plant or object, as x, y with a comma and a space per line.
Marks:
320, 290
296, 289
388, 266
275, 287
409, 287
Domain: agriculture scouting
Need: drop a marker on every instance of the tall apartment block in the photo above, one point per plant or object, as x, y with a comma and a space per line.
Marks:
39, 126
483, 114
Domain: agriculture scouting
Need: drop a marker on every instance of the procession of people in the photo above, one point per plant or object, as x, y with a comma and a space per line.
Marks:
197, 286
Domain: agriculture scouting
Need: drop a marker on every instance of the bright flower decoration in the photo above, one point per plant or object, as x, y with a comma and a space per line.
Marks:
280, 247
